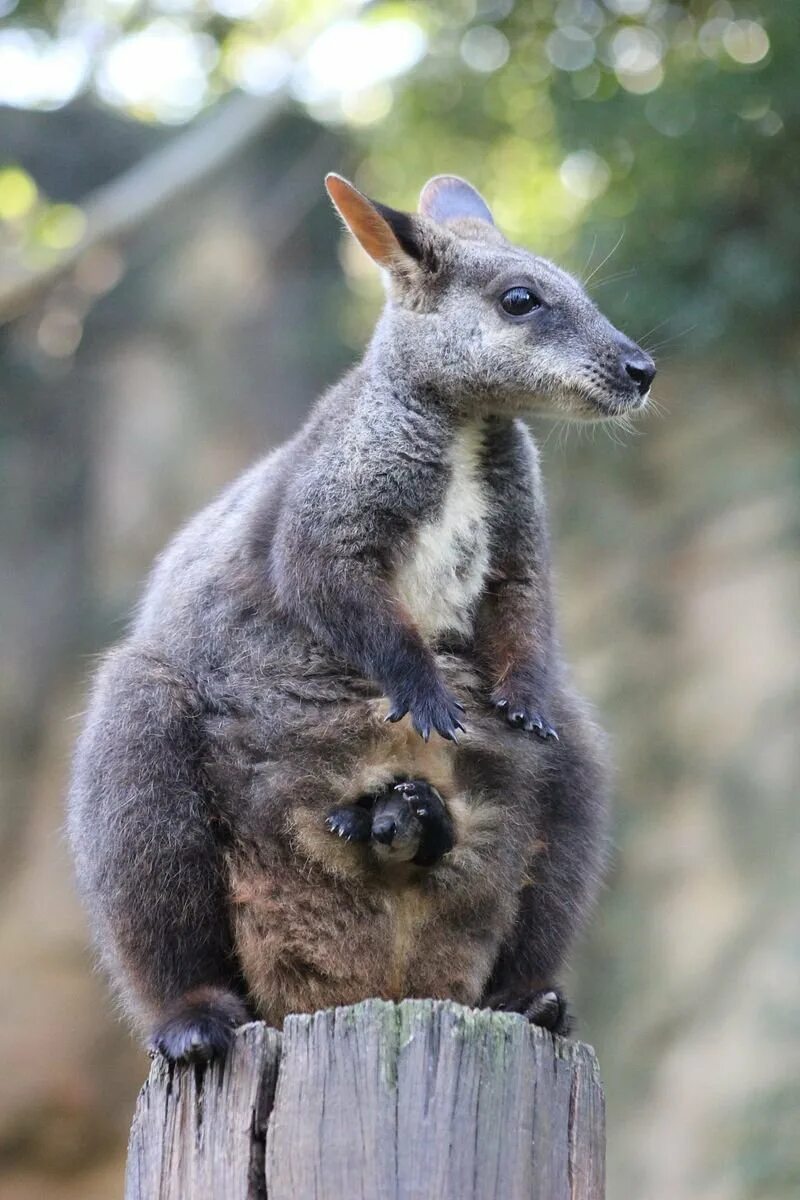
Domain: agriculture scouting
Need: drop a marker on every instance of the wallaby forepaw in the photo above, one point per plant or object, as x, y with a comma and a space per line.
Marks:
432, 710
437, 834
199, 1027
350, 823
523, 714
546, 1007
439, 713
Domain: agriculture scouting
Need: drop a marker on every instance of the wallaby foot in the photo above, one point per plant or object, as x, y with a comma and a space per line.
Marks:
546, 1007
522, 710
406, 822
199, 1026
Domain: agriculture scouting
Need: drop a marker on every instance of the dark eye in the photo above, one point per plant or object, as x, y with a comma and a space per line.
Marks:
518, 301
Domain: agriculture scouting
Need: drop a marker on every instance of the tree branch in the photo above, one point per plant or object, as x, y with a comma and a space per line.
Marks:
118, 209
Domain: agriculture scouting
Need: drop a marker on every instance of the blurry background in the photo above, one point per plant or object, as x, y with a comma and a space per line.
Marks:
175, 290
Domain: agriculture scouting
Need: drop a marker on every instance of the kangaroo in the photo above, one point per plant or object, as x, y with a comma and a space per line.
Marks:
338, 754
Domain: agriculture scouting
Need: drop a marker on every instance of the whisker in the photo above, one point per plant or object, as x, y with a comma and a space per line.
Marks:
672, 338
589, 259
628, 423
608, 429
653, 328
614, 278
553, 429
657, 407
611, 252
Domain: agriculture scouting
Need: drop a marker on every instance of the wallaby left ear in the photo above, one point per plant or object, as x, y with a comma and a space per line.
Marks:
388, 236
450, 198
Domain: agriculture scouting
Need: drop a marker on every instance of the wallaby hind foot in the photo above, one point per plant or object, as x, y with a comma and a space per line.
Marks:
199, 1026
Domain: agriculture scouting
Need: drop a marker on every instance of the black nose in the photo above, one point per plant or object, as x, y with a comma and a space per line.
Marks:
384, 830
641, 369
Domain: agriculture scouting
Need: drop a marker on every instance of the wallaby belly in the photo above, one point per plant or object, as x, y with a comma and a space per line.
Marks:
318, 922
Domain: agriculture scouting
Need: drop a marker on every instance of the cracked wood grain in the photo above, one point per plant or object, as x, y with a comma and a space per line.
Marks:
424, 1100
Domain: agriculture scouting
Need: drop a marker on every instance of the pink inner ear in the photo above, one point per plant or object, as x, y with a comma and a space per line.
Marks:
448, 198
366, 224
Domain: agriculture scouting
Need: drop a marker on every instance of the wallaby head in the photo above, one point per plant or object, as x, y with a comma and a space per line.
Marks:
487, 325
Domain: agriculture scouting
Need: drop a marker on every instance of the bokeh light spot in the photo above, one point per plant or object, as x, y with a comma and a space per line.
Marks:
61, 226
59, 333
485, 48
585, 174
18, 193
770, 124
581, 14
570, 48
348, 56
161, 70
629, 8
746, 41
367, 106
636, 51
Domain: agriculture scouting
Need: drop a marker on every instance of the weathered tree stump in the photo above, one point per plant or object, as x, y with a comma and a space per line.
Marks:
424, 1100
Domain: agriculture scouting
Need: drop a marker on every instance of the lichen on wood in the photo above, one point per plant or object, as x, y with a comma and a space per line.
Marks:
378, 1101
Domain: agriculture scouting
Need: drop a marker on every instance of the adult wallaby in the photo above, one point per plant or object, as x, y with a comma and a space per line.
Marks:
257, 829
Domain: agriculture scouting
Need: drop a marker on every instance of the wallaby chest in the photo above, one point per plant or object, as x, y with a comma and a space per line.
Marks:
442, 573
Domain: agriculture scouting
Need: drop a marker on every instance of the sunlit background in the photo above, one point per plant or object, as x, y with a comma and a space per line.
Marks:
174, 291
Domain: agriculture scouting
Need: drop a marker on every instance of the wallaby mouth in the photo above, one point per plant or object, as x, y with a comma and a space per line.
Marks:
606, 407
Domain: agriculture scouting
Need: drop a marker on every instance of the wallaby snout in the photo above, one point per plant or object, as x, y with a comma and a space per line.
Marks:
638, 366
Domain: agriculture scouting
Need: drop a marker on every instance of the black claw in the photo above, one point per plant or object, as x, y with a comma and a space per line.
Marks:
396, 714
351, 823
527, 719
546, 732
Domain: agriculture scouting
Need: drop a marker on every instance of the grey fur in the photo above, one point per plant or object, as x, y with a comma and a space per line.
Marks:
248, 700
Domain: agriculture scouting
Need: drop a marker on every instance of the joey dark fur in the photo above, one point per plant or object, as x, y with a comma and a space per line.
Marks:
338, 754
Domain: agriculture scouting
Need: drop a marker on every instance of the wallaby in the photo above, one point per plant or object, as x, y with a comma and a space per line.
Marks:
337, 755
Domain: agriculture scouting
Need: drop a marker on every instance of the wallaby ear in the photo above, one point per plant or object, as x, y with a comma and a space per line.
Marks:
449, 198
388, 236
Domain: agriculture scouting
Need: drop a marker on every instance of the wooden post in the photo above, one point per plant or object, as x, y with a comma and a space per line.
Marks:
424, 1100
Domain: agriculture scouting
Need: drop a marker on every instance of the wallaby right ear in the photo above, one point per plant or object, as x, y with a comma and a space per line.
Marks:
388, 236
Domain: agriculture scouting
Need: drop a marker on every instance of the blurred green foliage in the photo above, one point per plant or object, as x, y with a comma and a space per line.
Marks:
690, 160
659, 136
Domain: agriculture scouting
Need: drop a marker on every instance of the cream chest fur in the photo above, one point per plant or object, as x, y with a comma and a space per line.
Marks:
443, 573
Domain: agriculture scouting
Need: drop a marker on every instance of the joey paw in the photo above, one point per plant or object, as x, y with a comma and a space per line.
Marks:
351, 823
525, 715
